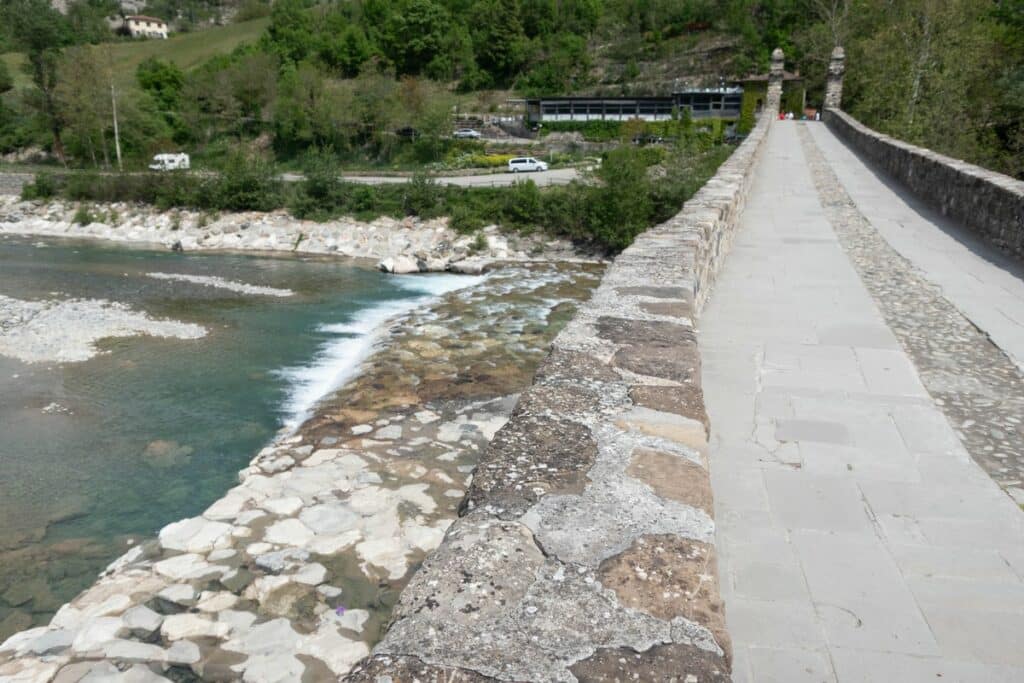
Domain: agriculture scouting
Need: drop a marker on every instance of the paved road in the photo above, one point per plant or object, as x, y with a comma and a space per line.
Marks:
858, 539
558, 176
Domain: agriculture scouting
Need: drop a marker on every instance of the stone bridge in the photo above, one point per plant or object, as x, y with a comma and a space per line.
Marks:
784, 441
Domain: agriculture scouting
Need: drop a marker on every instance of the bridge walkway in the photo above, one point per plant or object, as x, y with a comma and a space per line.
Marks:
863, 434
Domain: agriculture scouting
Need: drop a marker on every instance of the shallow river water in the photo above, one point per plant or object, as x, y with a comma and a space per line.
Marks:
414, 374
99, 453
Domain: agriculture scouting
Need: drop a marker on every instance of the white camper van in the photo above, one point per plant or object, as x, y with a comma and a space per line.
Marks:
170, 162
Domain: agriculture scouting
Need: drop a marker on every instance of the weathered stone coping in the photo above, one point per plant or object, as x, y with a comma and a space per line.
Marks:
989, 203
585, 550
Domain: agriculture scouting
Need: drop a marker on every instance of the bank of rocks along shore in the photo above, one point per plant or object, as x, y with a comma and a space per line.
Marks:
402, 246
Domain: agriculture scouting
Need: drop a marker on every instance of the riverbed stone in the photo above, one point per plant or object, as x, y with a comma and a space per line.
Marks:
183, 594
182, 652
328, 519
311, 574
282, 560
283, 506
132, 651
142, 621
181, 626
96, 632
188, 567
288, 532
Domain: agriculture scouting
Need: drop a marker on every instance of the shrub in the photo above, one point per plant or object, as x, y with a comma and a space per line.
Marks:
479, 243
83, 216
463, 219
321, 193
43, 187
245, 183
422, 196
566, 212
522, 205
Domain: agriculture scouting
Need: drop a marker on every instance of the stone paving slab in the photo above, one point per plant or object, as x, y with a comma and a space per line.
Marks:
858, 540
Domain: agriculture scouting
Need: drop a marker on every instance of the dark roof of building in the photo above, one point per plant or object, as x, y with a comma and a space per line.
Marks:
636, 98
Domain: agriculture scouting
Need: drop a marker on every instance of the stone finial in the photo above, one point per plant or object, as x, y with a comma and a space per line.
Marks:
774, 95
778, 60
834, 83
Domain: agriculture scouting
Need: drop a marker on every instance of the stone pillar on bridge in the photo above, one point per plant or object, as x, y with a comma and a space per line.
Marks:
834, 84
774, 97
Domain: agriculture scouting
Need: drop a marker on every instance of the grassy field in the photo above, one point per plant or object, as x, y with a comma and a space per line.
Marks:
187, 50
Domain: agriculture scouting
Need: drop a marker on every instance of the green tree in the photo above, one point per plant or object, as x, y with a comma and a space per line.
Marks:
6, 82
88, 20
83, 97
290, 34
163, 80
499, 43
620, 206
414, 35
924, 73
42, 32
344, 47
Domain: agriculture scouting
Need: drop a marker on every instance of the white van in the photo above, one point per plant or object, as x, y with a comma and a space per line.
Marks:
170, 162
526, 164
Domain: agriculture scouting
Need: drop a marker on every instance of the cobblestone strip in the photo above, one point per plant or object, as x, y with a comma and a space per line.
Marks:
979, 389
586, 546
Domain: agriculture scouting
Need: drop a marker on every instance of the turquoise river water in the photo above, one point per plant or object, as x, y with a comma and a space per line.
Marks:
99, 453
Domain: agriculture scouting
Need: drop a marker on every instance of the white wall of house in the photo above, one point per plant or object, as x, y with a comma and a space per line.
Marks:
141, 27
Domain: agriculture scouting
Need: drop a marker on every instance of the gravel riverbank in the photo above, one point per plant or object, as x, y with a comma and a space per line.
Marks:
409, 245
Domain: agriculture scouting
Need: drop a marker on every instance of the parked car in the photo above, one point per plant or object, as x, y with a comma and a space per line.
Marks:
466, 134
408, 132
170, 162
523, 164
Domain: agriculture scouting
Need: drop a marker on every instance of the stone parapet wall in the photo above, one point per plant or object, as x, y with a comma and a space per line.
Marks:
585, 550
988, 203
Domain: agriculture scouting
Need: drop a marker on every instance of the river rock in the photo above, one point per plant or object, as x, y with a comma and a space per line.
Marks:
179, 626
142, 621
288, 532
182, 652
133, 651
469, 266
399, 265
179, 594
195, 535
96, 632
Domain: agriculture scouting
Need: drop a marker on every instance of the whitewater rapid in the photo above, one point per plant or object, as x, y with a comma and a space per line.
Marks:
337, 360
